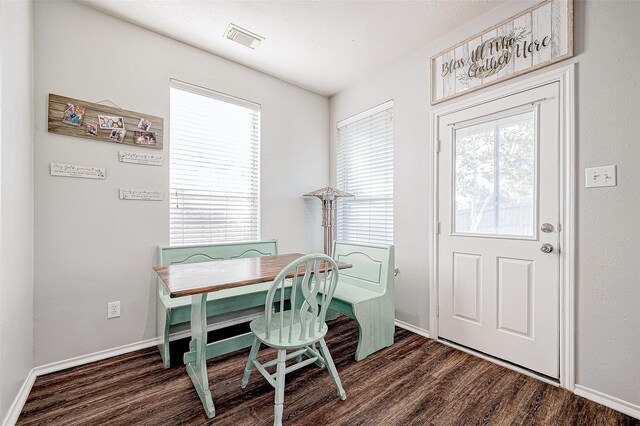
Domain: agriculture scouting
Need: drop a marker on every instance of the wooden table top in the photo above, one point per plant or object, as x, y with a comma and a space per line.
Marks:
204, 277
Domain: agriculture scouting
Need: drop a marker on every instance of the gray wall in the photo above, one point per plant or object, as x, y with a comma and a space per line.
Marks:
608, 231
608, 129
16, 198
91, 247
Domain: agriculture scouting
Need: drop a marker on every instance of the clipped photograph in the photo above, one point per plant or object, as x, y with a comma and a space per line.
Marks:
144, 138
73, 115
144, 124
110, 122
91, 129
117, 135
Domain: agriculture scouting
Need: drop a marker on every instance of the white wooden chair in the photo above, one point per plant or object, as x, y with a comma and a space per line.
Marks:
298, 329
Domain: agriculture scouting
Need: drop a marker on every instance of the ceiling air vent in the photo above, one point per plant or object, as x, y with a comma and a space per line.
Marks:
242, 36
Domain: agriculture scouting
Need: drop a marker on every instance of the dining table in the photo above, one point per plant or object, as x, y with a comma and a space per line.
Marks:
197, 280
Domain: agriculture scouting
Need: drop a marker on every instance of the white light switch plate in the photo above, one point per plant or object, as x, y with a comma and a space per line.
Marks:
600, 176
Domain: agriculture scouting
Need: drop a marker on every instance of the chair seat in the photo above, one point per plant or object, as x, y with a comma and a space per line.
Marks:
354, 294
259, 328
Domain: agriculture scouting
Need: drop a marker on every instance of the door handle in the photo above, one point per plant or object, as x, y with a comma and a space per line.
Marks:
546, 248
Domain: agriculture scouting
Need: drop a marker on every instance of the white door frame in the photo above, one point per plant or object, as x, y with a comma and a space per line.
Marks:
564, 76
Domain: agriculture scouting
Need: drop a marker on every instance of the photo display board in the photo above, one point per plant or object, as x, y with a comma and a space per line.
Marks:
74, 117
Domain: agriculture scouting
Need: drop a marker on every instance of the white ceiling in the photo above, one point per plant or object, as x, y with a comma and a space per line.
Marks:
323, 46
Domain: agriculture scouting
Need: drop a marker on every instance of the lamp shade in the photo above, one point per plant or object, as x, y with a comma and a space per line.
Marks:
328, 193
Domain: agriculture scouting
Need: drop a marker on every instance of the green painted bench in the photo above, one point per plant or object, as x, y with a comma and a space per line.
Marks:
171, 312
365, 293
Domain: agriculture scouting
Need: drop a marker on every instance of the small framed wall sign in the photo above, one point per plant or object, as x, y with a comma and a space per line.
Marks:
539, 36
77, 171
140, 194
140, 158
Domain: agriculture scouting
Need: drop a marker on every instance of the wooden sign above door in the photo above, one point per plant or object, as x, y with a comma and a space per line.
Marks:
82, 119
535, 38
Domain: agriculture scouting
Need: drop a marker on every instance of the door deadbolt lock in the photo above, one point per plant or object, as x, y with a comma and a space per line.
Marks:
546, 248
546, 227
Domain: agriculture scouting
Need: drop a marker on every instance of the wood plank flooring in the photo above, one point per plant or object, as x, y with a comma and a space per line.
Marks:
415, 382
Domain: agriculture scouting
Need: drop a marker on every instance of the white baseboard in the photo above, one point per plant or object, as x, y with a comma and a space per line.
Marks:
610, 401
120, 350
412, 328
92, 357
16, 407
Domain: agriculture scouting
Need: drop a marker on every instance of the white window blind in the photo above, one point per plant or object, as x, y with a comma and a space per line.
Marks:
365, 169
215, 167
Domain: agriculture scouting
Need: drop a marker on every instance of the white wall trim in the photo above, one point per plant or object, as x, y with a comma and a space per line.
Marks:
568, 234
610, 401
108, 353
412, 328
565, 77
93, 357
16, 407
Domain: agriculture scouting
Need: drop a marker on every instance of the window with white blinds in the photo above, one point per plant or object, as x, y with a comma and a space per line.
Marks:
365, 169
215, 167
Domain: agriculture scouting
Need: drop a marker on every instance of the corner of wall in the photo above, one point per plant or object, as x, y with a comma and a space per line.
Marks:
16, 206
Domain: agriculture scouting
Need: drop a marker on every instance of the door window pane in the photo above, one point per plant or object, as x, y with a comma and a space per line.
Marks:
494, 179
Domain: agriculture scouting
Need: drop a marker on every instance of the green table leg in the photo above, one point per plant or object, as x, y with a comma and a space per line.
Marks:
197, 368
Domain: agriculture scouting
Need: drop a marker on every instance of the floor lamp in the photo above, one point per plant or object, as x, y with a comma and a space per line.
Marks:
329, 197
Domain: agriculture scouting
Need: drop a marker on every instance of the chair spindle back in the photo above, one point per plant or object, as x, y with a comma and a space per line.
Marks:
313, 277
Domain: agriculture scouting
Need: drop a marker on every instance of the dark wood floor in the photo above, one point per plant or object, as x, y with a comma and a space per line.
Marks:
416, 382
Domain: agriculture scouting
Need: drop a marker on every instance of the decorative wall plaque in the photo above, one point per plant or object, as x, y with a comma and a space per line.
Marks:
140, 194
140, 158
82, 119
539, 36
74, 170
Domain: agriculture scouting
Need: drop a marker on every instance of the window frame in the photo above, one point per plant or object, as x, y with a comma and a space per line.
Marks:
386, 236
255, 168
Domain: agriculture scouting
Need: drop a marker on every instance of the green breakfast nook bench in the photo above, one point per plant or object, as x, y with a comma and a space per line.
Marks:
365, 293
174, 311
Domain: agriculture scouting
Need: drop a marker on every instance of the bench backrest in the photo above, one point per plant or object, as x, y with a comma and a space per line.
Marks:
373, 265
220, 251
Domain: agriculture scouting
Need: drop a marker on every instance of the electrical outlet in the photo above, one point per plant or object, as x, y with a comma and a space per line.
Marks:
113, 309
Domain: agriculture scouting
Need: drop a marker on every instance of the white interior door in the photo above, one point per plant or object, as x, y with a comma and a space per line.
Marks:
498, 192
